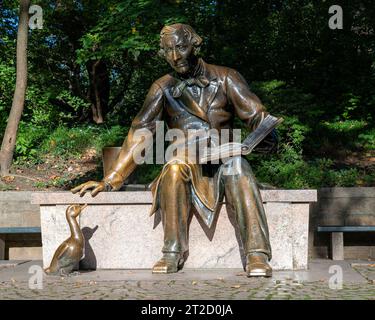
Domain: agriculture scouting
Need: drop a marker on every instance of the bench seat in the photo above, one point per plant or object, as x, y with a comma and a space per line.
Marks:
337, 237
14, 230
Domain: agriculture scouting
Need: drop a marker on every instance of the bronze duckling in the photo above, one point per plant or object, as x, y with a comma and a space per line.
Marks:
71, 251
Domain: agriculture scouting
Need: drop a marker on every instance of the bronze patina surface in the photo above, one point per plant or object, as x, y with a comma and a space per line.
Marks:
197, 95
71, 251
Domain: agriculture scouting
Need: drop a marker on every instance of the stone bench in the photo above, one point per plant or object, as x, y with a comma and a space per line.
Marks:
120, 234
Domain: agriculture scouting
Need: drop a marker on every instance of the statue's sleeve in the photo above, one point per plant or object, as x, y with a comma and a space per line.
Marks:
247, 105
146, 119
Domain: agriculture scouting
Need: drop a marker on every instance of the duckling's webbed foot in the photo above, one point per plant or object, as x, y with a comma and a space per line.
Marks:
65, 272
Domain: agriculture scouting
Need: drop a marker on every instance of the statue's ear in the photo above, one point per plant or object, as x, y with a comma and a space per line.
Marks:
196, 40
197, 43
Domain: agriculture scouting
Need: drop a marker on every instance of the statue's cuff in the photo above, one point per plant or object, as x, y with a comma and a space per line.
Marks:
256, 121
113, 181
107, 186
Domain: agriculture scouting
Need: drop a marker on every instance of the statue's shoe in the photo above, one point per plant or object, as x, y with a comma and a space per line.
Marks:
169, 263
257, 265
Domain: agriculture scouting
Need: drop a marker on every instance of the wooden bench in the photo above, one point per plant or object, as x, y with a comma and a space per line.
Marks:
14, 230
337, 237
17, 216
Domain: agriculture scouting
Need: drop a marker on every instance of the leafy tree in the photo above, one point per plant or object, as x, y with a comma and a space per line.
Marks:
94, 61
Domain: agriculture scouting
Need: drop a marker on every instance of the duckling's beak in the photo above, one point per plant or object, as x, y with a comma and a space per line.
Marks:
84, 206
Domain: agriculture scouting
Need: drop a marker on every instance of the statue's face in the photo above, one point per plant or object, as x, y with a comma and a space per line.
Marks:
177, 50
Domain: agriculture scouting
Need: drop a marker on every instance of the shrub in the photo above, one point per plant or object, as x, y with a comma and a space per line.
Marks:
29, 138
66, 142
69, 142
367, 139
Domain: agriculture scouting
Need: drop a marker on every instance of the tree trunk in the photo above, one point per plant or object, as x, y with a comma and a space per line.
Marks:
10, 135
98, 92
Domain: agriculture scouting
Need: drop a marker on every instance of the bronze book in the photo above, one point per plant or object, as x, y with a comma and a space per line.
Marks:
232, 149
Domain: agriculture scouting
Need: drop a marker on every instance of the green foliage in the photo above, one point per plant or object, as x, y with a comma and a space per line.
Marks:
285, 99
146, 173
129, 27
292, 172
347, 126
7, 81
367, 139
289, 169
66, 142
73, 101
29, 139
344, 135
110, 137
73, 142
320, 80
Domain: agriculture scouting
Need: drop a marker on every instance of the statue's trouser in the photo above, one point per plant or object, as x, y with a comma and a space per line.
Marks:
175, 205
242, 196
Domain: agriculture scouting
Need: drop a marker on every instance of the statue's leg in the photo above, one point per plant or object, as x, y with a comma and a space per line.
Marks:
175, 204
243, 197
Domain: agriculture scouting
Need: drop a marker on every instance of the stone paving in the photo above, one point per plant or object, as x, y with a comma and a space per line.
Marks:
366, 270
215, 284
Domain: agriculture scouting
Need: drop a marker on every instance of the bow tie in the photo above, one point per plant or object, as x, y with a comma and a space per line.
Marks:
200, 81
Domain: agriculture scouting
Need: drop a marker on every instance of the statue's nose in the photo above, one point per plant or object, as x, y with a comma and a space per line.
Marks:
175, 56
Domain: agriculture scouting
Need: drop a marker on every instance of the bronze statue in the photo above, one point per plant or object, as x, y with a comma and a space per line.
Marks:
196, 95
71, 251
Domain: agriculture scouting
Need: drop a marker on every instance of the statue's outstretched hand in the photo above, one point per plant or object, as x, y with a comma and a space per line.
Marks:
95, 186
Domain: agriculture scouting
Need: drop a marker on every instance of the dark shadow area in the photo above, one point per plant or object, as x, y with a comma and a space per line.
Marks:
157, 218
89, 262
343, 207
95, 175
21, 240
209, 232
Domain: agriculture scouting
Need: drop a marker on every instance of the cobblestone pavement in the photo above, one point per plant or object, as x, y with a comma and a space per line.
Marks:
366, 270
213, 289
193, 284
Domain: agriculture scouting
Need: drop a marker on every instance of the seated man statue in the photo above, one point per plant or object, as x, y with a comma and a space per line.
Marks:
196, 95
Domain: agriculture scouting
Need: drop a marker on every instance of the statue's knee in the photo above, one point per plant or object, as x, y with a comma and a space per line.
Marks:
174, 172
175, 168
237, 166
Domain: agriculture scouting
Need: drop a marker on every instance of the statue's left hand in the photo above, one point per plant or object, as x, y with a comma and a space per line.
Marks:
95, 186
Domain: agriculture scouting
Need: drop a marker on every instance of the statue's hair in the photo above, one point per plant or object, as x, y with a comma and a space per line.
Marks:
189, 33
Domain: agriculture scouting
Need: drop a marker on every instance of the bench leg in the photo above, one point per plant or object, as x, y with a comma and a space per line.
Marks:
2, 247
337, 245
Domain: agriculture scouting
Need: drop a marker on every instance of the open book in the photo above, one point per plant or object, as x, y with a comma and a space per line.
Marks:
232, 149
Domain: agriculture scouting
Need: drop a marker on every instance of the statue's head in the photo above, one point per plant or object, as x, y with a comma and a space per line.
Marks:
179, 44
74, 210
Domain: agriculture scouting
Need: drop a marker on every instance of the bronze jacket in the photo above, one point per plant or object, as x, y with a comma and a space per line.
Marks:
225, 95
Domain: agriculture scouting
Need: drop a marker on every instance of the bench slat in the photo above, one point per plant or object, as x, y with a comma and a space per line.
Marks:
347, 229
20, 230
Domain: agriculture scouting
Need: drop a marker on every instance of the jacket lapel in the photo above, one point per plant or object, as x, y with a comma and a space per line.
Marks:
207, 95
192, 106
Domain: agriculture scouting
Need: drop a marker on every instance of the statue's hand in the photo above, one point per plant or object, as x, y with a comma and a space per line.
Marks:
95, 186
